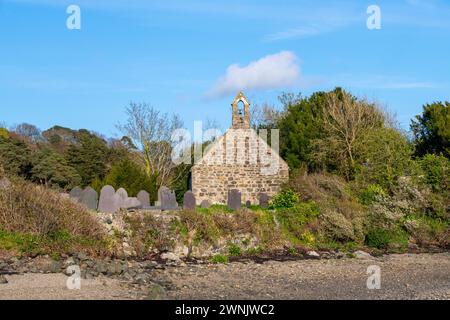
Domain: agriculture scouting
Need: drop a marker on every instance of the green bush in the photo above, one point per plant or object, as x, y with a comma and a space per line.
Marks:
234, 250
293, 220
285, 199
219, 258
128, 175
436, 171
385, 239
371, 194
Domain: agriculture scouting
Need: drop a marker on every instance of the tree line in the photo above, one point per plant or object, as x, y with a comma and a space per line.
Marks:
333, 132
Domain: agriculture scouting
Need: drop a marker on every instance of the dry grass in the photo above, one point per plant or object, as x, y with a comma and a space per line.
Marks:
30, 209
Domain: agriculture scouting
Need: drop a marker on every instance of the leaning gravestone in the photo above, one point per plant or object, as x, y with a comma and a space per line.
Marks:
89, 198
75, 194
144, 198
234, 199
264, 200
205, 204
168, 200
108, 200
189, 201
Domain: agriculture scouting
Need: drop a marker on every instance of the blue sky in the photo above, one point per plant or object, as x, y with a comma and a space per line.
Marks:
190, 57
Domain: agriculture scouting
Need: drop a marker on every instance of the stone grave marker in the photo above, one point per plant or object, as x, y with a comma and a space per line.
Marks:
168, 200
248, 204
108, 200
189, 201
264, 200
234, 199
89, 198
205, 204
75, 194
131, 203
144, 198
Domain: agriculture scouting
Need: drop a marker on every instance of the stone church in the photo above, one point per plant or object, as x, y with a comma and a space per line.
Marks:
241, 159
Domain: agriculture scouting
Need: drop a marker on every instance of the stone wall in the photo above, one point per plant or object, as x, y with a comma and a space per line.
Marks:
239, 160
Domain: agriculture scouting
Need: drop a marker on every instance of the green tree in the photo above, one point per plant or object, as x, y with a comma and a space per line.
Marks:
130, 176
52, 169
299, 126
431, 129
436, 171
89, 156
15, 157
382, 156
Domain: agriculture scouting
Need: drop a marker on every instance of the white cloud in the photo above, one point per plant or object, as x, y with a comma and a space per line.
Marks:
270, 72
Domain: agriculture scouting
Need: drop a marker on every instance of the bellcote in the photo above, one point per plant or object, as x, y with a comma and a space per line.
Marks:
241, 112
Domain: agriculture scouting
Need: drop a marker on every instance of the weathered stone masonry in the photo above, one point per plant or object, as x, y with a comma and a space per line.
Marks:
239, 160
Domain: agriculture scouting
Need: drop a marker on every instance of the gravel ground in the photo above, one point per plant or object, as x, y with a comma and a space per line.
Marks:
424, 276
406, 276
53, 287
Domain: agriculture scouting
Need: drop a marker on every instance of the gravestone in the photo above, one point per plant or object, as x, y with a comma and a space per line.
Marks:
189, 201
89, 198
234, 199
264, 200
205, 204
168, 200
131, 203
75, 194
108, 200
121, 198
248, 204
160, 192
144, 198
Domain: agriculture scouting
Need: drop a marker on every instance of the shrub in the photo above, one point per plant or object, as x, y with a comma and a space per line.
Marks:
371, 194
128, 175
35, 220
27, 208
436, 171
219, 259
148, 233
293, 220
384, 155
387, 238
285, 199
234, 250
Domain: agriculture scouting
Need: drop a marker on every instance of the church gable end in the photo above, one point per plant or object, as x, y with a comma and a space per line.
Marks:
239, 160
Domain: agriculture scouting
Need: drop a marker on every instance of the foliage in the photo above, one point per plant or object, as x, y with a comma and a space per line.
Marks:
285, 199
52, 169
431, 129
299, 126
385, 238
4, 134
234, 250
130, 176
219, 258
15, 157
382, 155
89, 156
371, 194
294, 220
147, 233
436, 171
346, 121
151, 131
